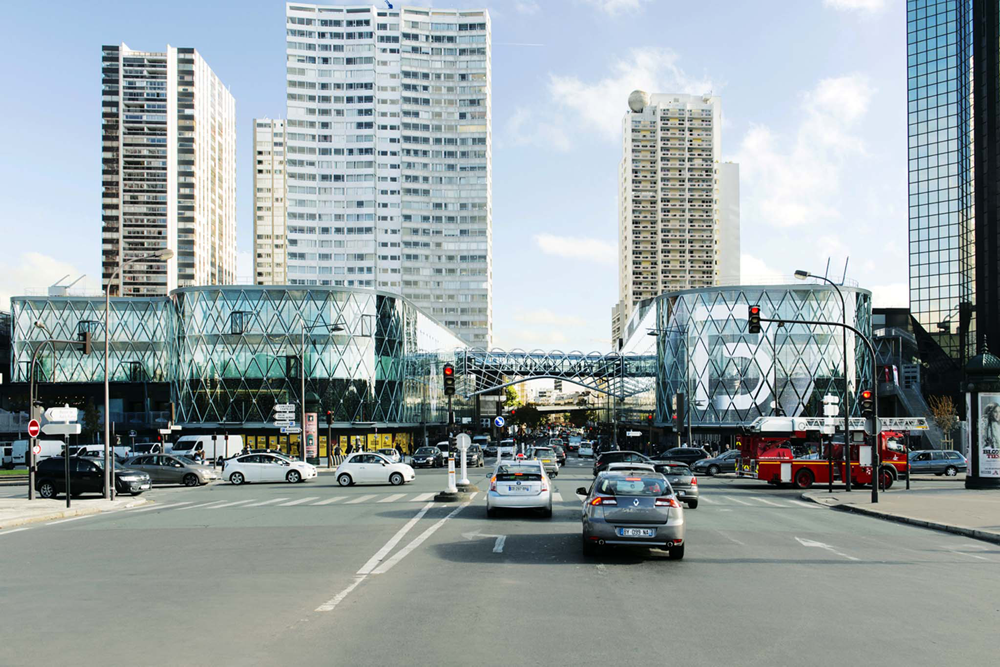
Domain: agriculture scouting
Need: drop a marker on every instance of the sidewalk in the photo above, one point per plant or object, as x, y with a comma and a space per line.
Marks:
19, 511
949, 508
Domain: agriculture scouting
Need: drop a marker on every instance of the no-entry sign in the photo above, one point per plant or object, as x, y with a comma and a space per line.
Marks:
33, 428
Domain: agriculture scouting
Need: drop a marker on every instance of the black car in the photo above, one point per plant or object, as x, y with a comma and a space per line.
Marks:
473, 457
491, 449
686, 455
560, 454
429, 457
85, 476
604, 460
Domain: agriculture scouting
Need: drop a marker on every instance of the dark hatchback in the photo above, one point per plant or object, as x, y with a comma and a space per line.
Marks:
607, 458
560, 454
429, 457
686, 455
85, 476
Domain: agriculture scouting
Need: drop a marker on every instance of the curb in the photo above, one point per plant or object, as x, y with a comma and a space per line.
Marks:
66, 514
973, 533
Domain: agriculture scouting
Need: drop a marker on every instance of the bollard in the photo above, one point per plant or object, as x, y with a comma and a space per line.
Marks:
452, 487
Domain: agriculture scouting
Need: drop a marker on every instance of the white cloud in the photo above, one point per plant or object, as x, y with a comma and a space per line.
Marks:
33, 273
616, 7
754, 271
573, 247
872, 6
543, 316
525, 128
894, 295
527, 7
791, 179
600, 105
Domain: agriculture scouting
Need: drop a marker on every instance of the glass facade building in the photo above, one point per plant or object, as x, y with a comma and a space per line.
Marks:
939, 40
730, 377
229, 354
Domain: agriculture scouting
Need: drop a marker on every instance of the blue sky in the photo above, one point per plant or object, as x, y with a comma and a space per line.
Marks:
814, 103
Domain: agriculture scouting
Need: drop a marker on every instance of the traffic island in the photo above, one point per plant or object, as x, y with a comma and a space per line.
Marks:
467, 488
21, 511
968, 513
451, 497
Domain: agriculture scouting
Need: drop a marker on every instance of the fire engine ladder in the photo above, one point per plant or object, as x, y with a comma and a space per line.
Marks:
792, 424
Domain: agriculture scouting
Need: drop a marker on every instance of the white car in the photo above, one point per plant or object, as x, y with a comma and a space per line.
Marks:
519, 484
371, 468
391, 454
586, 450
507, 448
266, 468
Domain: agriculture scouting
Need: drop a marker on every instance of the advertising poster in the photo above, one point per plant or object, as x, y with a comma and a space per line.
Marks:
989, 435
310, 433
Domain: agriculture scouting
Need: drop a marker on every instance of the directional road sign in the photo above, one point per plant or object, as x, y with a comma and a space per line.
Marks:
284, 407
499, 421
131, 434
633, 434
285, 424
62, 414
61, 429
33, 428
291, 429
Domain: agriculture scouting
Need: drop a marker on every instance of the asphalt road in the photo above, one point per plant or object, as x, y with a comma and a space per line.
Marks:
314, 574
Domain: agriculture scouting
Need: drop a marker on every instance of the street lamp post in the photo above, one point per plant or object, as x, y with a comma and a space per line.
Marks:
160, 256
334, 328
802, 275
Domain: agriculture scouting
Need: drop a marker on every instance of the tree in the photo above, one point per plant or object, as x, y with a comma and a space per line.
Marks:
530, 416
580, 418
943, 411
91, 422
511, 399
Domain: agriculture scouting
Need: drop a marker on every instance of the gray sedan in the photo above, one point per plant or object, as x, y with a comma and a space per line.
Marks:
631, 509
166, 469
547, 457
725, 462
682, 480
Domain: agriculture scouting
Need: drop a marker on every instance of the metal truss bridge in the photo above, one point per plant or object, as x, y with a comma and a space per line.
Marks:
617, 375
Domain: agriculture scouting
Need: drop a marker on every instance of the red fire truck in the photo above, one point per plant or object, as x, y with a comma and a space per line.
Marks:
797, 450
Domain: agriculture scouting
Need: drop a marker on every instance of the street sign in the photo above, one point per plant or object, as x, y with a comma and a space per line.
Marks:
37, 449
499, 421
131, 434
61, 429
291, 429
165, 431
62, 414
284, 422
284, 407
33, 428
633, 434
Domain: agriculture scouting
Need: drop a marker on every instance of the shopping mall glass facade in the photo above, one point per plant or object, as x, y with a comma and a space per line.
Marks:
229, 354
730, 377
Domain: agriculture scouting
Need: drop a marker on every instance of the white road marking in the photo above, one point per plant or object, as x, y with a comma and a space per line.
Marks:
736, 500
374, 561
238, 502
405, 551
359, 499
329, 606
267, 502
731, 538
193, 507
498, 547
423, 497
329, 501
299, 501
473, 497
13, 530
812, 506
393, 498
708, 500
765, 500
557, 497
602, 568
812, 543
161, 507
75, 518
956, 550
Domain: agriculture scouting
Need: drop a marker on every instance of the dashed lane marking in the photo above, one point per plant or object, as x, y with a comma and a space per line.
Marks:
498, 547
299, 501
375, 560
736, 500
359, 499
266, 502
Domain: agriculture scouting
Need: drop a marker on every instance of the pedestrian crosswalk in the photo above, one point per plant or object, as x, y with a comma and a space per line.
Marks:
714, 501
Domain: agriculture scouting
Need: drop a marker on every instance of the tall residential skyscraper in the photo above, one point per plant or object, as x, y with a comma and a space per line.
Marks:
389, 156
269, 192
168, 170
678, 207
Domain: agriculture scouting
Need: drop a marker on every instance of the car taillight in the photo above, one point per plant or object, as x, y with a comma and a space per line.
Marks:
493, 483
694, 480
667, 502
601, 500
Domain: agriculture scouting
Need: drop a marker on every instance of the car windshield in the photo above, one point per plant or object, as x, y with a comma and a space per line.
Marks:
543, 451
182, 446
633, 486
427, 451
186, 459
676, 470
518, 472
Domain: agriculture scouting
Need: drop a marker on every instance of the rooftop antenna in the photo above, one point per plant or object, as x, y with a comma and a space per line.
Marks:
62, 290
826, 274
843, 279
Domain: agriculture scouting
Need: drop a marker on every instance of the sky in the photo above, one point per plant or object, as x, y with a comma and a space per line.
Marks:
813, 99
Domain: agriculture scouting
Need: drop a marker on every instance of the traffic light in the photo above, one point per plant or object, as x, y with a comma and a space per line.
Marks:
867, 403
85, 345
449, 380
649, 418
513, 411
329, 418
753, 320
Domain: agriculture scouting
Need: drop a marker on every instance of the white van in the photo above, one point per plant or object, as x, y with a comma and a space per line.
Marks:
7, 455
201, 446
19, 450
507, 448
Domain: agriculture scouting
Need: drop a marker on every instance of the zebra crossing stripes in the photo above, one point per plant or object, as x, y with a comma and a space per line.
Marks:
267, 502
393, 498
300, 501
423, 497
328, 501
359, 499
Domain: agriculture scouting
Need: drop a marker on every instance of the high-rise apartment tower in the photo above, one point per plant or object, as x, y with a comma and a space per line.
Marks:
269, 191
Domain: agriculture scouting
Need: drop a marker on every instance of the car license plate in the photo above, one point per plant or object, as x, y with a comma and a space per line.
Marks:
636, 532
517, 489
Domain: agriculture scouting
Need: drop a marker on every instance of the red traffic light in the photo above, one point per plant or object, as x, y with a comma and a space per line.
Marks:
448, 370
649, 417
755, 310
866, 395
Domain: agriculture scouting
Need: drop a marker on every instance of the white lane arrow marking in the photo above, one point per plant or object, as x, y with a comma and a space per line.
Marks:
498, 547
820, 545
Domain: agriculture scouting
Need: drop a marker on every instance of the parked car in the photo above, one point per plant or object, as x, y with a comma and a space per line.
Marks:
682, 480
473, 458
167, 469
547, 457
586, 450
630, 509
428, 457
938, 461
725, 462
626, 456
391, 454
686, 454
520, 484
372, 468
560, 454
85, 476
266, 468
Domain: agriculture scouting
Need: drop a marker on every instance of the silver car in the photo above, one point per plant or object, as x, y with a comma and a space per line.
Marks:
167, 469
632, 509
682, 481
519, 484
547, 457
